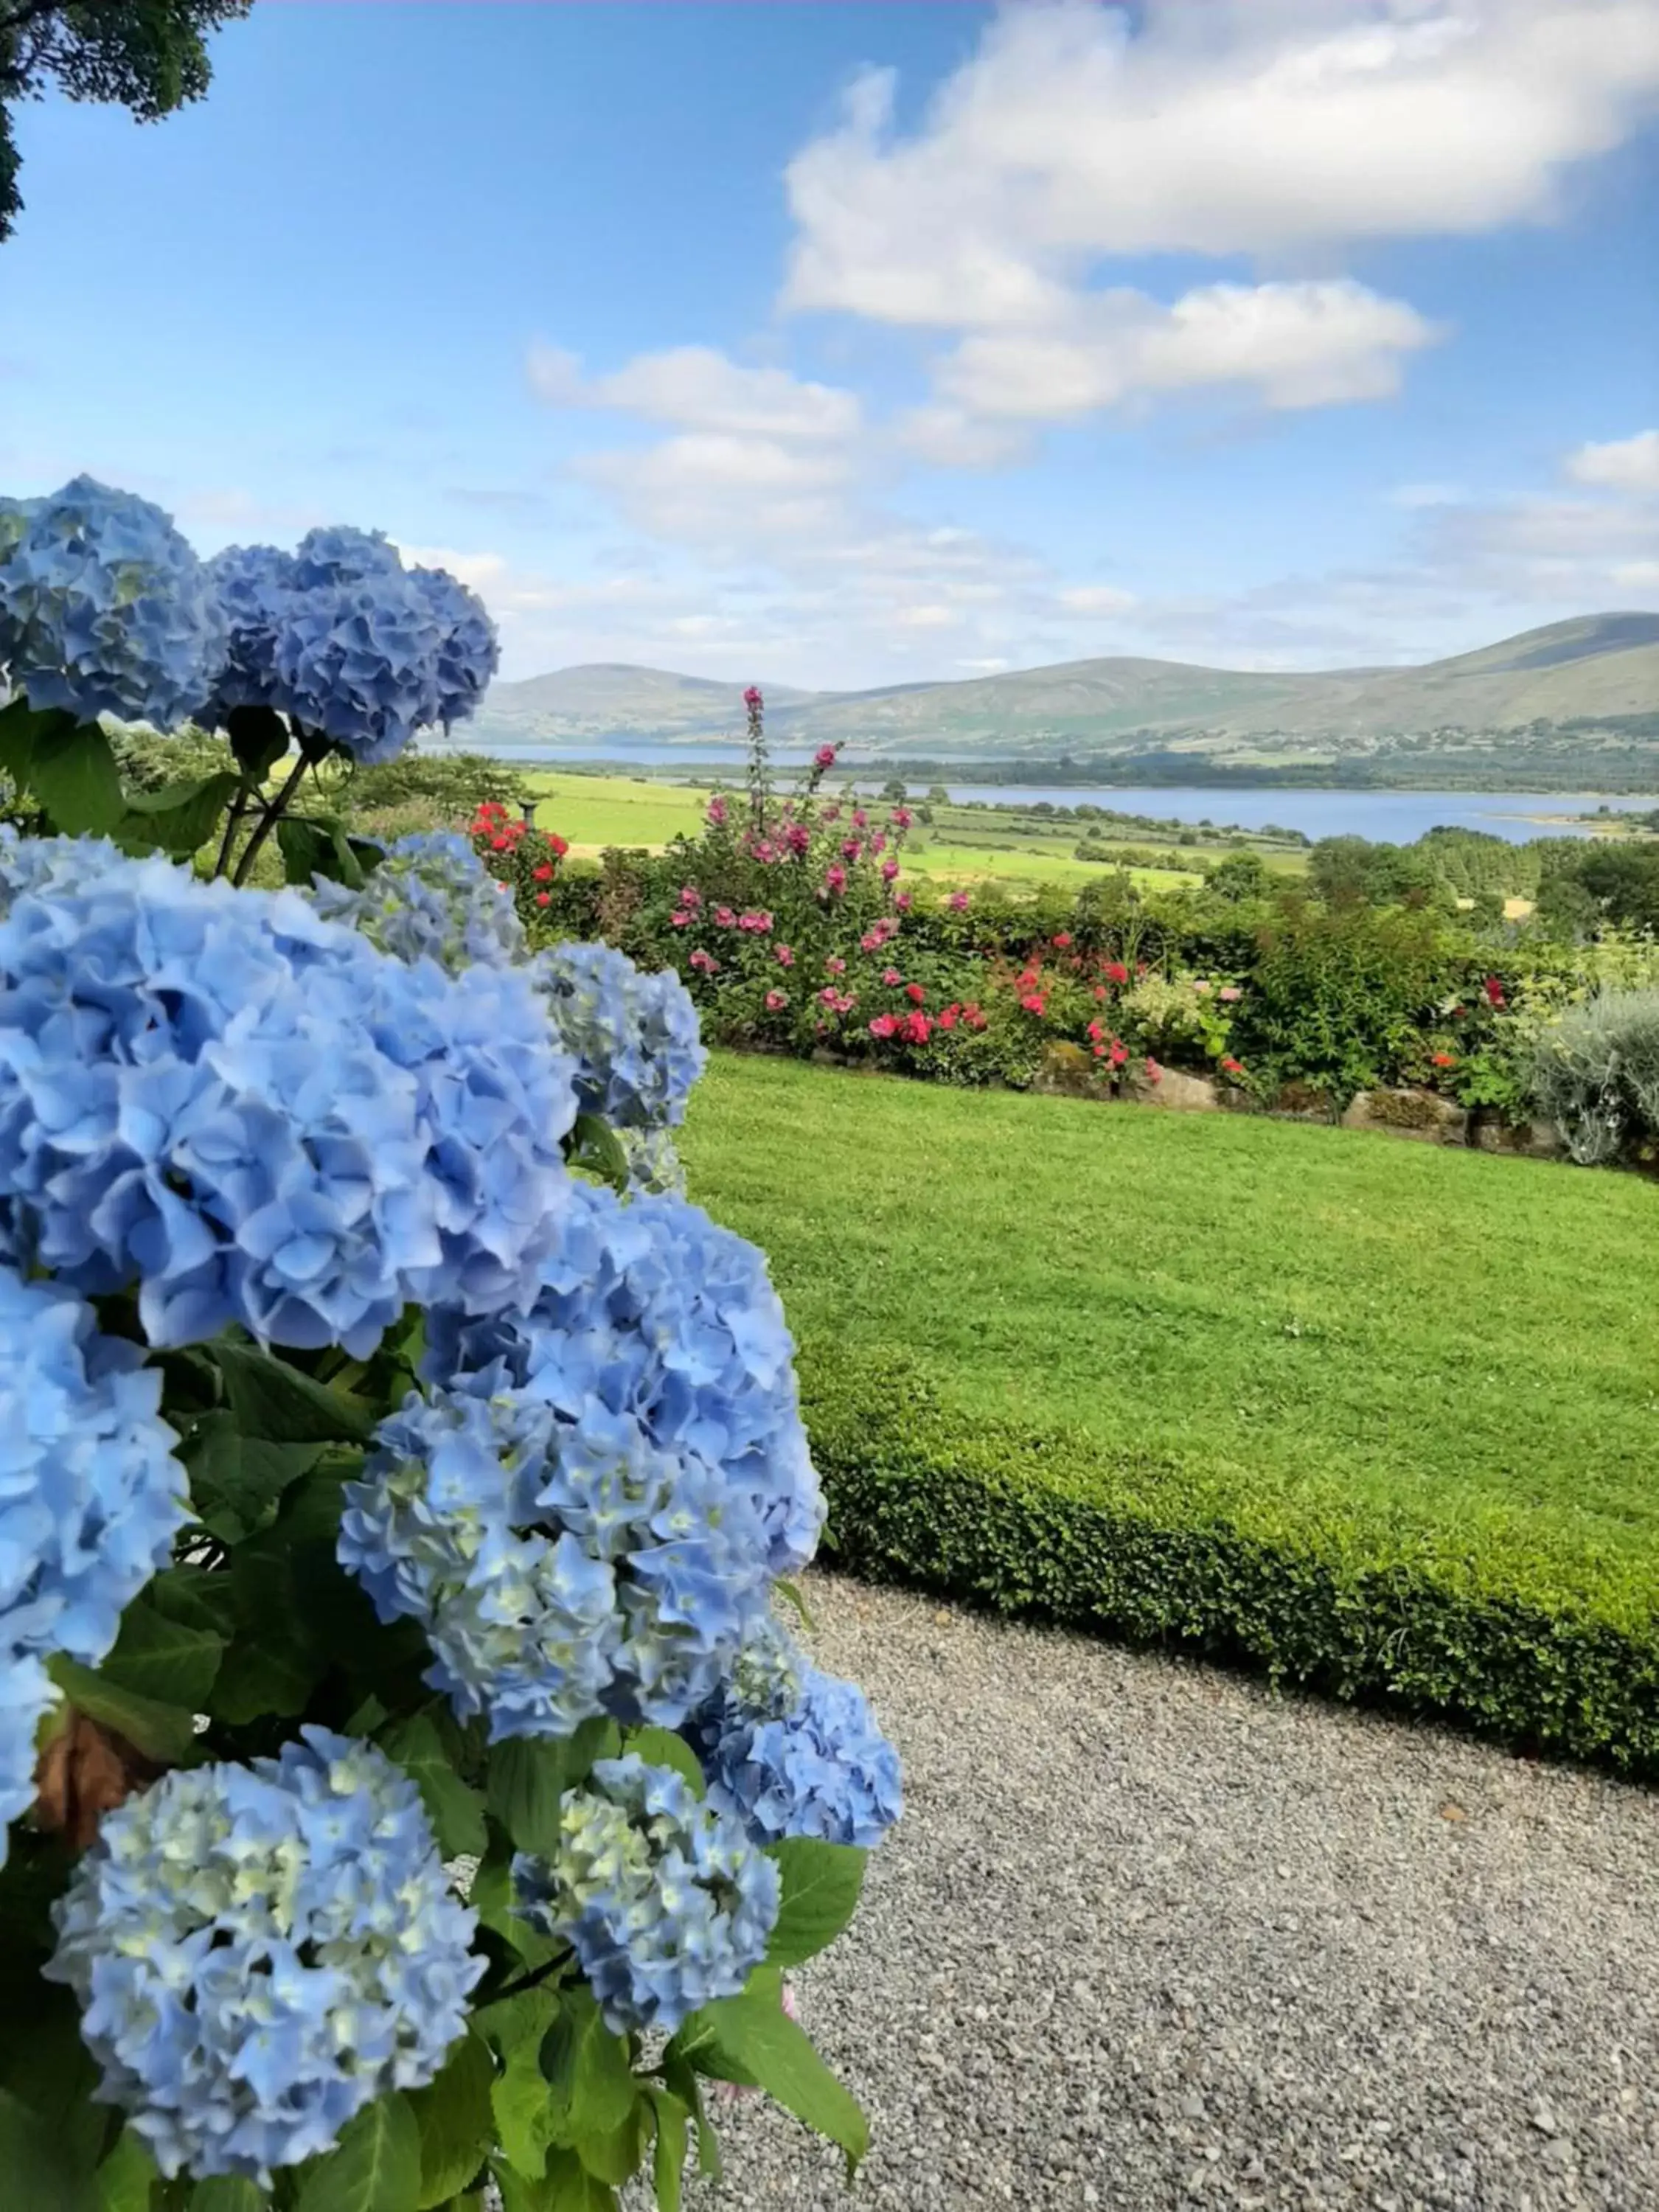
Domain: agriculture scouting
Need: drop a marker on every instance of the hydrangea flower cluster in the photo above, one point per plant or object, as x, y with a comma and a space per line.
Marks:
91, 1497
262, 1951
635, 1035
431, 898
654, 1166
791, 1750
340, 635
105, 608
665, 1901
261, 1119
650, 1311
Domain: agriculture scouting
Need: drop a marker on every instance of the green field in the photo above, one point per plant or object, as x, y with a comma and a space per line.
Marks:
1424, 1378
964, 846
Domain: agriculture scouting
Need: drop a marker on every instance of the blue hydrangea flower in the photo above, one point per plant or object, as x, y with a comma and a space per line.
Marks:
342, 637
561, 1568
251, 584
29, 864
260, 1952
665, 1901
259, 1119
792, 1751
431, 898
470, 652
634, 1035
649, 1311
654, 1167
105, 609
91, 1497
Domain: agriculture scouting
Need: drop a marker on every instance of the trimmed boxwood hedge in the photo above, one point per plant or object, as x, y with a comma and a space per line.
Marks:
1486, 1627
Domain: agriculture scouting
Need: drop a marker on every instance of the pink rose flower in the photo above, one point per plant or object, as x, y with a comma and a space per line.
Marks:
785, 957
707, 962
834, 965
883, 1025
690, 895
680, 920
776, 1001
890, 976
1231, 992
957, 901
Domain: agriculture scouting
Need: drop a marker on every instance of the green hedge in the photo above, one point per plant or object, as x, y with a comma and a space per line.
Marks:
1482, 1626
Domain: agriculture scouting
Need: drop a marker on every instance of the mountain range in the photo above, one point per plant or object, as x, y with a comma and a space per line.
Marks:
1596, 677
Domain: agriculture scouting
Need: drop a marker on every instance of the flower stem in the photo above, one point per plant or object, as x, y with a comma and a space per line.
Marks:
271, 816
233, 822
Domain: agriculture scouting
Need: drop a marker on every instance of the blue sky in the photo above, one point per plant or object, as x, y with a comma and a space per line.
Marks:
842, 344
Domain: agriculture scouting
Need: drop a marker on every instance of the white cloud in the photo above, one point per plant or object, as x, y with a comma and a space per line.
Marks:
1260, 127
1294, 344
697, 388
1097, 599
1623, 463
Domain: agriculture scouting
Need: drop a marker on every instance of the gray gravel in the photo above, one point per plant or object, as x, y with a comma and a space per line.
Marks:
1151, 1938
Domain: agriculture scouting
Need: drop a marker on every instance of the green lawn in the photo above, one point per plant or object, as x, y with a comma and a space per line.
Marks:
593, 811
1386, 1358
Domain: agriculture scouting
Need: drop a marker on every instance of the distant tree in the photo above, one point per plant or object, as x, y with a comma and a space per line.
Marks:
894, 790
1241, 876
146, 55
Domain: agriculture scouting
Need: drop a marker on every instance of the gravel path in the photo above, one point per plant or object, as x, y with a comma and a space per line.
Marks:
1151, 1938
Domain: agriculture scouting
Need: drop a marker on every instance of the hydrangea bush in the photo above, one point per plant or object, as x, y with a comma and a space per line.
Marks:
410, 1797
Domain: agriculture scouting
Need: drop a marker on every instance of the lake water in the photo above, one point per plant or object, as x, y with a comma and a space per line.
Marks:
1387, 817
1392, 817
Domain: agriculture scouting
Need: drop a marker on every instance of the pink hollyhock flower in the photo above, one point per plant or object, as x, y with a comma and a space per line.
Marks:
859, 817
883, 1025
680, 920
890, 872
904, 900
798, 837
914, 994
851, 849
785, 957
878, 842
707, 962
717, 809
835, 881
690, 895
901, 818
890, 975
832, 814
834, 965
957, 901
724, 918
824, 756
752, 698
776, 1001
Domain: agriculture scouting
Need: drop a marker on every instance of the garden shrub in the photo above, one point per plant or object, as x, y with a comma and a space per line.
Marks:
1596, 1075
1503, 1635
397, 1731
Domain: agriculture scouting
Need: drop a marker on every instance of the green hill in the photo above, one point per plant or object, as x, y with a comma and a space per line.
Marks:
1577, 699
